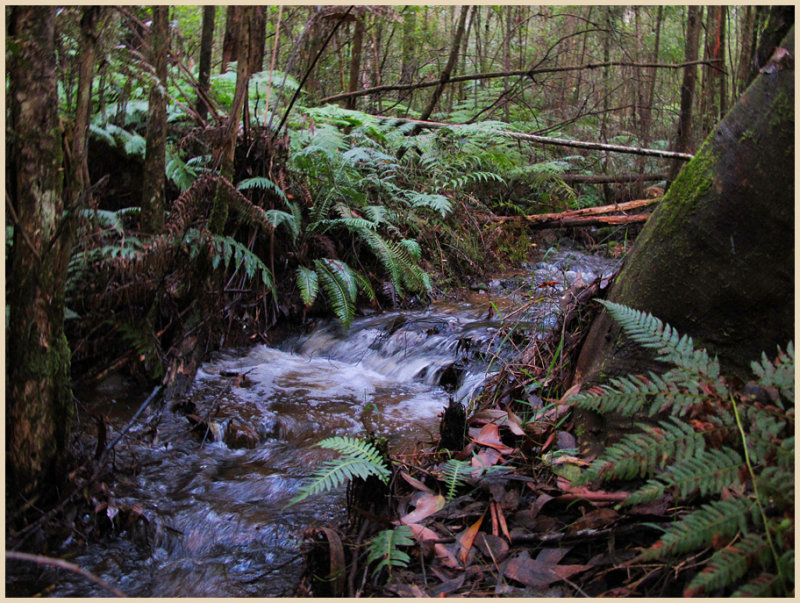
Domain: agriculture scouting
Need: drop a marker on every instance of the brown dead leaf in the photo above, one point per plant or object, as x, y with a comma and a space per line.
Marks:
539, 574
446, 556
489, 435
415, 483
406, 590
466, 539
515, 424
427, 505
486, 458
593, 520
422, 533
492, 547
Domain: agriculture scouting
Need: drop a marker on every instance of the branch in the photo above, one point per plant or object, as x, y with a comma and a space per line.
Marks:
580, 144
499, 74
584, 217
606, 178
42, 560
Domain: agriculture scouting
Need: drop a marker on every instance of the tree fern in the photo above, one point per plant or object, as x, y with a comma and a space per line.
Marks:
359, 458
384, 549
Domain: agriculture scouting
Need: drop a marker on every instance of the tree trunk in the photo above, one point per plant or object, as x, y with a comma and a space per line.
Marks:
233, 25
258, 37
451, 63
409, 28
779, 21
716, 259
227, 150
154, 182
38, 397
355, 60
206, 47
683, 137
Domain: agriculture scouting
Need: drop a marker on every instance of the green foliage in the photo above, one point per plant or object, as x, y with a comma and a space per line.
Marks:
308, 283
384, 548
733, 456
340, 286
224, 250
453, 474
358, 458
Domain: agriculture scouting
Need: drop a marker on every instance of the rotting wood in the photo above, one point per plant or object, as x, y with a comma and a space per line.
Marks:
579, 144
588, 216
611, 178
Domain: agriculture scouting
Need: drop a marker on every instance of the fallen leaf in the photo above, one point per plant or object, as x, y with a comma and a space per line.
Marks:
489, 435
592, 495
492, 547
415, 483
593, 520
539, 574
448, 586
446, 556
486, 458
515, 424
427, 505
406, 590
422, 533
552, 556
466, 539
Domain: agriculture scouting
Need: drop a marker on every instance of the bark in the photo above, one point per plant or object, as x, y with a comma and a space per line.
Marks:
355, 60
589, 216
409, 27
38, 396
206, 47
154, 182
258, 37
451, 63
225, 154
230, 44
716, 259
90, 26
779, 21
746, 49
683, 137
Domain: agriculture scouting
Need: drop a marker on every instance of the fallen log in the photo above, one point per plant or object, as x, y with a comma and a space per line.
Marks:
588, 216
611, 178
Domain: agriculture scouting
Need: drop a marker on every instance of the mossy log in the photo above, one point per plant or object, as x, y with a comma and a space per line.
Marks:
716, 258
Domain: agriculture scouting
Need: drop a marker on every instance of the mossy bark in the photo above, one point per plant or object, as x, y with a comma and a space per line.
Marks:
38, 395
716, 260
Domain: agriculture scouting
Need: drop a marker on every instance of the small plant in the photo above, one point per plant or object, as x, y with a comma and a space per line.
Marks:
730, 453
359, 458
384, 549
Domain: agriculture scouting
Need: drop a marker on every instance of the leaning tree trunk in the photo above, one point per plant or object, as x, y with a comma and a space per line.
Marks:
716, 259
38, 396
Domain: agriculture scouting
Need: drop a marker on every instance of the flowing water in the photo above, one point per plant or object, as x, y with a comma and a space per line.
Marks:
208, 517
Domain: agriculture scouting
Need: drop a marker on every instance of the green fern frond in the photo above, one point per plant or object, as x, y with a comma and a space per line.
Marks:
438, 203
340, 287
643, 453
308, 284
453, 473
728, 565
778, 373
265, 184
650, 332
135, 146
707, 473
384, 549
763, 585
626, 395
413, 248
276, 217
102, 134
181, 174
720, 518
359, 458
364, 285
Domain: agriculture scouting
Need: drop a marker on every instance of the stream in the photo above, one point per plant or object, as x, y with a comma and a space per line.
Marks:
203, 513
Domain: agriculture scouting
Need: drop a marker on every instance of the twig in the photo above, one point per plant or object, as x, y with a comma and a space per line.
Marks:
144, 405
42, 560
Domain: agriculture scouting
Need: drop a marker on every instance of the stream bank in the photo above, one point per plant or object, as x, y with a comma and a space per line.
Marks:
197, 502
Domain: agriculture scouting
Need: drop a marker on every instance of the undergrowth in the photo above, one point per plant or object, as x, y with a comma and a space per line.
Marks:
727, 455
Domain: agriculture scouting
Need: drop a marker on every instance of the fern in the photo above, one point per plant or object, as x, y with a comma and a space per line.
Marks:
264, 184
308, 284
181, 174
340, 288
384, 549
225, 250
453, 473
359, 458
735, 457
438, 203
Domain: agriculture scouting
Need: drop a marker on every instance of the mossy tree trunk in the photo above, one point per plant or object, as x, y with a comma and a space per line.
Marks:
716, 259
206, 48
38, 396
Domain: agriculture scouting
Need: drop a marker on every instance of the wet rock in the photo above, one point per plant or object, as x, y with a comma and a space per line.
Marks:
239, 435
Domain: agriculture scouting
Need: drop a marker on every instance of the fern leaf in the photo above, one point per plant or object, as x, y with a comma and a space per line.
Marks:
181, 174
438, 203
453, 473
706, 473
720, 519
360, 458
340, 288
103, 135
643, 453
778, 374
384, 549
135, 146
763, 585
263, 183
308, 284
728, 565
276, 217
